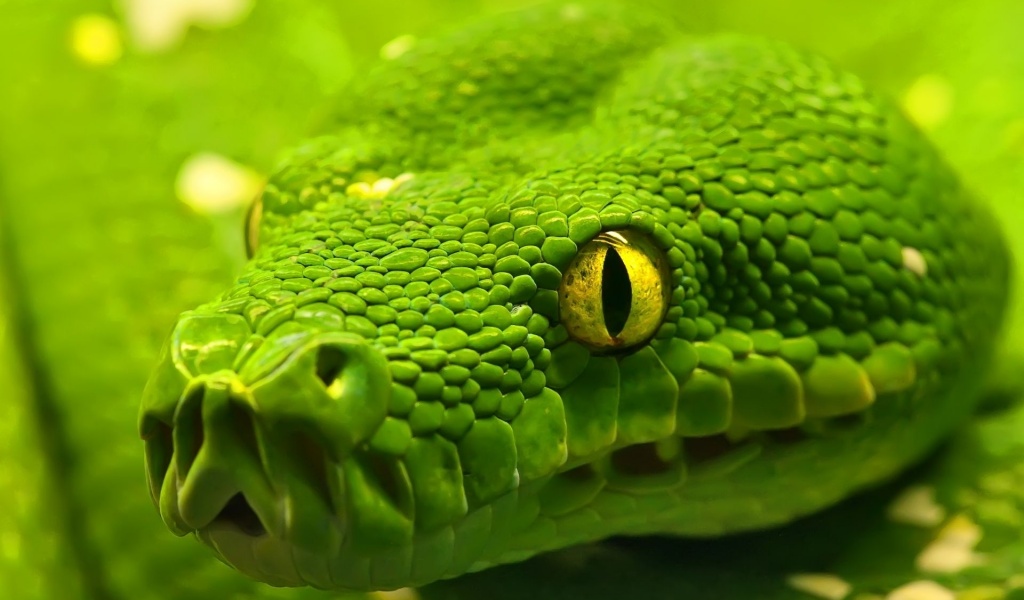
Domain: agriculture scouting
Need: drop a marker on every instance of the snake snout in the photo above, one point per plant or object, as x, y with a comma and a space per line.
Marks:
206, 463
248, 484
251, 457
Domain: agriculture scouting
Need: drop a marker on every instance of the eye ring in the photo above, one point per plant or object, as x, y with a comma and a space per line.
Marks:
253, 216
615, 293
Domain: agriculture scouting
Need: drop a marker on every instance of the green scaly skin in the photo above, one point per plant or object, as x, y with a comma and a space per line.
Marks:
388, 395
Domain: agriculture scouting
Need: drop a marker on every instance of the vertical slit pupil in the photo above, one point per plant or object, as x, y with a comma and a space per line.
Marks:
616, 292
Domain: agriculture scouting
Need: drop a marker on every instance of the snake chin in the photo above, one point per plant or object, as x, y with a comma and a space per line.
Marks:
241, 541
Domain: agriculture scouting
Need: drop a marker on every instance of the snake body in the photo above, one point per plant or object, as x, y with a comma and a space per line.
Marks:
567, 274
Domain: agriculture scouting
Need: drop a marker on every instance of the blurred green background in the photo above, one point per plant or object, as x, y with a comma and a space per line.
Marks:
192, 101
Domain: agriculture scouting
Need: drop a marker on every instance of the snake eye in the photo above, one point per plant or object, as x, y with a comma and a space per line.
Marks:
614, 294
252, 226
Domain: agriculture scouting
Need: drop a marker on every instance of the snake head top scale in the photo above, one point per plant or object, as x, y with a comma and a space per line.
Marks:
567, 274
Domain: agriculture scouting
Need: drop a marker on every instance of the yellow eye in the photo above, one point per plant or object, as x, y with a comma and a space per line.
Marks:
615, 292
252, 226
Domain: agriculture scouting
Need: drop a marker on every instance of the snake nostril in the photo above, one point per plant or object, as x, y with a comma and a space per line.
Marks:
239, 513
330, 362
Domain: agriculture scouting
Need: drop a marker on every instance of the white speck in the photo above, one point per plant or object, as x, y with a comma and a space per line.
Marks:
378, 188
359, 189
962, 530
397, 47
820, 585
382, 186
953, 548
914, 261
917, 506
161, 24
921, 590
211, 183
399, 594
929, 100
943, 557
96, 40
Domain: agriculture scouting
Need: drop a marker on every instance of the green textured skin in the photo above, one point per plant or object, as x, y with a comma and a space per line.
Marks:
388, 384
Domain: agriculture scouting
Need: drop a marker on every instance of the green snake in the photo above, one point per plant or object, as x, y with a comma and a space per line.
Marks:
564, 275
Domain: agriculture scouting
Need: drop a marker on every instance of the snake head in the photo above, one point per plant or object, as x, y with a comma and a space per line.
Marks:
309, 434
555, 278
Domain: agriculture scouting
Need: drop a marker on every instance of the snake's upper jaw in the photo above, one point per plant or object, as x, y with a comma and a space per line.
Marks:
253, 458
